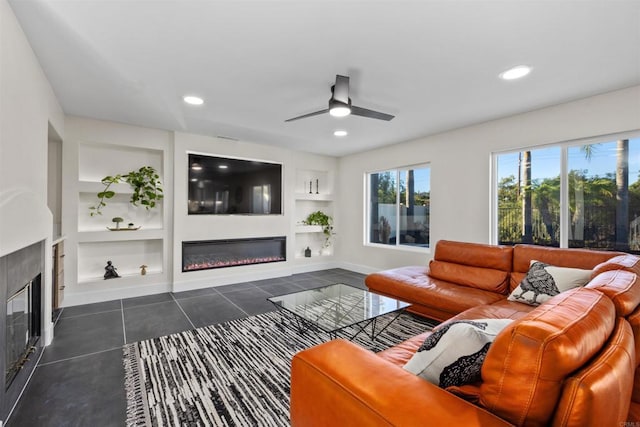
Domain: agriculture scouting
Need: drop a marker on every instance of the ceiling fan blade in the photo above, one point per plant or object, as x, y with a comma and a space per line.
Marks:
304, 116
359, 111
341, 89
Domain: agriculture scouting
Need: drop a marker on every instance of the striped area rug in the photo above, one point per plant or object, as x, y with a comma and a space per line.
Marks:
231, 374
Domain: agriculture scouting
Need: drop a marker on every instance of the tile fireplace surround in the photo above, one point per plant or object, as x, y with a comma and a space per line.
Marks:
25, 275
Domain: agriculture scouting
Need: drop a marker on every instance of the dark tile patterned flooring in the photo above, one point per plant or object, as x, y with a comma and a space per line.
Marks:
80, 378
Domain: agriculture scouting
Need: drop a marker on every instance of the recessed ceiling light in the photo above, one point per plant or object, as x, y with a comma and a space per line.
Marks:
515, 72
223, 166
193, 100
340, 133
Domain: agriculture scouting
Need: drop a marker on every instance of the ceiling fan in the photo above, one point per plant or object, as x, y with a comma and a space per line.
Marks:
340, 104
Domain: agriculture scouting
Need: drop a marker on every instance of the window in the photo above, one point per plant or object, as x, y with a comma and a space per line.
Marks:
398, 208
529, 197
578, 195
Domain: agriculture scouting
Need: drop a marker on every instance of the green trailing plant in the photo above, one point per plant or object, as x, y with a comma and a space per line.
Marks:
325, 221
146, 185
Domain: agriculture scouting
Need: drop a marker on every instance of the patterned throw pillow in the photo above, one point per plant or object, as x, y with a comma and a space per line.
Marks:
544, 281
453, 354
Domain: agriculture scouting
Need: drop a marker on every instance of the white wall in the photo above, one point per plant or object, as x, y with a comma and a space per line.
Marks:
460, 171
27, 106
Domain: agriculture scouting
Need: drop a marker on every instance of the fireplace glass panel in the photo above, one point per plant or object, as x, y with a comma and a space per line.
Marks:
207, 254
18, 336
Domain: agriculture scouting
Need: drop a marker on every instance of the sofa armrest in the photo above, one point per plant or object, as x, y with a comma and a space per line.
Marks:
340, 383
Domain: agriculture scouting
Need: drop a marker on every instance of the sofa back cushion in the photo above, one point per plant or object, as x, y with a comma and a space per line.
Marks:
575, 258
472, 264
525, 367
621, 286
601, 390
621, 262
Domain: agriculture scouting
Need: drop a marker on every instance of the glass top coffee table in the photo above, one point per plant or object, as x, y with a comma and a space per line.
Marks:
335, 307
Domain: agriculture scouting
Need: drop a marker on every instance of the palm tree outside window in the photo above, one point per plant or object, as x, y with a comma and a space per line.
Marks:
601, 189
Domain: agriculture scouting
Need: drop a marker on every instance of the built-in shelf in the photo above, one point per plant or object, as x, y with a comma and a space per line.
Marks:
124, 279
319, 199
314, 196
93, 243
120, 236
309, 229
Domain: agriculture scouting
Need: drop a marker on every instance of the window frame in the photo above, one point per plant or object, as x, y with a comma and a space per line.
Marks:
564, 178
367, 209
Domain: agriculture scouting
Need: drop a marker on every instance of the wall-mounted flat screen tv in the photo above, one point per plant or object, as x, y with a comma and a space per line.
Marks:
225, 186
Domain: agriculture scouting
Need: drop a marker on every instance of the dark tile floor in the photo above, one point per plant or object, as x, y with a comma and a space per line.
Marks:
80, 378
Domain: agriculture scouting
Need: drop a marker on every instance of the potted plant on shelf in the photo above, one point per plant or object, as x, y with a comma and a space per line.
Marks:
146, 185
325, 221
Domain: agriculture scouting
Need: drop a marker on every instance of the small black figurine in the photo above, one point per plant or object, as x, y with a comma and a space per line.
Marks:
110, 271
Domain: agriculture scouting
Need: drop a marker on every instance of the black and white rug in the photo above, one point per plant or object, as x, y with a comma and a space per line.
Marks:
231, 374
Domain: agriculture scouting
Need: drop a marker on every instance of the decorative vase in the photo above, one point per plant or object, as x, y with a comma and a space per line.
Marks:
307, 252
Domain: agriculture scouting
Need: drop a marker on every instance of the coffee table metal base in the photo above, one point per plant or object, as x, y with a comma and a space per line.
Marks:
334, 308
303, 325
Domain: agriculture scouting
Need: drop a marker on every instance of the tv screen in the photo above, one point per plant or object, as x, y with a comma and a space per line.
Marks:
224, 186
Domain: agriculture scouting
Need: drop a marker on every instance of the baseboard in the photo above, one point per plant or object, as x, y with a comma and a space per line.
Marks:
362, 269
89, 297
309, 267
229, 279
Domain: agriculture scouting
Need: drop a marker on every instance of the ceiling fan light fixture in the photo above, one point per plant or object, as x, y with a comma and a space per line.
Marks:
339, 109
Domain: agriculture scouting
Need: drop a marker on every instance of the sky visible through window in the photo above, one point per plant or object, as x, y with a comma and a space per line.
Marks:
545, 162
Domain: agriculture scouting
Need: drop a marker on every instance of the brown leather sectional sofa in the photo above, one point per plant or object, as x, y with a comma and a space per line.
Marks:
569, 362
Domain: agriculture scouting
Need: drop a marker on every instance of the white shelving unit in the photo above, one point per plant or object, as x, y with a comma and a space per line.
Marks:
313, 192
127, 249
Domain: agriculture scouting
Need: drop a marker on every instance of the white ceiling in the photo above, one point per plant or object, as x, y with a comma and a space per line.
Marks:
432, 64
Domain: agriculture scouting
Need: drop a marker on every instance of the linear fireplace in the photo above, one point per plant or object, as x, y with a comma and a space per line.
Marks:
208, 254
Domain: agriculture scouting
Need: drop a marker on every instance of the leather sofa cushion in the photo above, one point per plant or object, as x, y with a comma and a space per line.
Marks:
412, 284
621, 262
400, 354
339, 383
603, 388
634, 413
634, 321
621, 287
474, 277
635, 396
526, 365
495, 257
574, 258
474, 265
